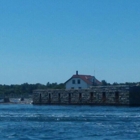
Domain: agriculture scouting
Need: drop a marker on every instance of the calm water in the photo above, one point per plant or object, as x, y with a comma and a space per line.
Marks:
28, 122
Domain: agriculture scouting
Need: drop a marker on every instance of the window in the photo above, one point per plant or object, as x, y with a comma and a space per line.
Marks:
72, 87
79, 87
78, 81
73, 81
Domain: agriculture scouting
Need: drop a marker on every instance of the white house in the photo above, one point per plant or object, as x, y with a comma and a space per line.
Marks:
81, 81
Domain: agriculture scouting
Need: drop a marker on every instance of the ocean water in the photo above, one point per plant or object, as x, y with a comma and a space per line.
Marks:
30, 122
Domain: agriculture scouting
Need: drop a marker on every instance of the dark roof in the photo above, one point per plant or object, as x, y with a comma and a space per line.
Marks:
86, 78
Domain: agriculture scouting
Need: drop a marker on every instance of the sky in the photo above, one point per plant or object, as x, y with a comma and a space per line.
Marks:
48, 40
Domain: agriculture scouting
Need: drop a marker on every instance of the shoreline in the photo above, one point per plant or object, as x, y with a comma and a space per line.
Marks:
18, 101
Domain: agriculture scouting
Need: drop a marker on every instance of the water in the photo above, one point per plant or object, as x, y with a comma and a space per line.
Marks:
29, 122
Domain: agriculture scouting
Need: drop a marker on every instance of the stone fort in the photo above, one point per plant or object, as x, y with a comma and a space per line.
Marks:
97, 95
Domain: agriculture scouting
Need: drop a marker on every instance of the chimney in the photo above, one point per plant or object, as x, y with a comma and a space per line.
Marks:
76, 72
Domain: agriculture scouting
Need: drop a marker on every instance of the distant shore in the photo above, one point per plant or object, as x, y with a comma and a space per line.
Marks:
17, 101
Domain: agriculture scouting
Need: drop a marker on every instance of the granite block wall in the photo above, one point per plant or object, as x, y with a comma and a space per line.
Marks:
98, 95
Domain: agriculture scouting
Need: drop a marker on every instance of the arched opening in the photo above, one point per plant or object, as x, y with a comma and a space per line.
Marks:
40, 98
80, 97
59, 98
104, 96
49, 98
91, 96
69, 98
117, 96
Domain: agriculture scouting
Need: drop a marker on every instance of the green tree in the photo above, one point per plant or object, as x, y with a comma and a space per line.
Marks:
104, 83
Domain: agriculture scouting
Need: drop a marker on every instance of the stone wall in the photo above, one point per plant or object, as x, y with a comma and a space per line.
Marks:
98, 95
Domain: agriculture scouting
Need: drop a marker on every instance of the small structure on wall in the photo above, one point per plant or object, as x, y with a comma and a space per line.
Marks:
79, 81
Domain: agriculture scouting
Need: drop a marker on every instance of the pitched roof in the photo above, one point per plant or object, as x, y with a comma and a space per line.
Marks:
86, 78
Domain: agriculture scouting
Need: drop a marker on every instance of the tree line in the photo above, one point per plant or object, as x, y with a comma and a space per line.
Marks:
26, 88
105, 83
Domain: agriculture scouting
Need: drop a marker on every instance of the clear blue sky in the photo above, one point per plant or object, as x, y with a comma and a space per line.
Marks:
48, 40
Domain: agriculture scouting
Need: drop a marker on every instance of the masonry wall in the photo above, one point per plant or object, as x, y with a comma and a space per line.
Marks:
99, 95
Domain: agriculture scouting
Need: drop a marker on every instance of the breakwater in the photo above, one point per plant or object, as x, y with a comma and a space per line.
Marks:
98, 95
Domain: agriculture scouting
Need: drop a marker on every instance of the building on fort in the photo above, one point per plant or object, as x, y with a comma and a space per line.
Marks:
78, 81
